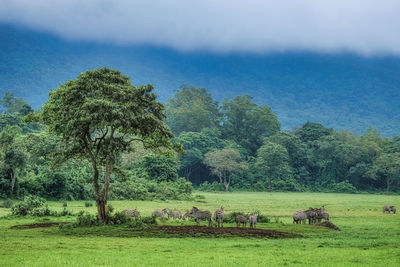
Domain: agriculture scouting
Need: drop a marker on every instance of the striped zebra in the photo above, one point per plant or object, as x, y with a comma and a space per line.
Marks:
253, 220
200, 215
158, 213
175, 215
242, 220
219, 217
132, 213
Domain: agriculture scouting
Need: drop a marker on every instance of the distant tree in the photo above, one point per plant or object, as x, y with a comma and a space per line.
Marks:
15, 104
312, 131
273, 162
12, 156
196, 145
98, 116
246, 123
158, 167
388, 166
225, 163
191, 110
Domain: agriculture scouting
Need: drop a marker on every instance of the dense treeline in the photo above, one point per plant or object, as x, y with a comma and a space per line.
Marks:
237, 145
312, 157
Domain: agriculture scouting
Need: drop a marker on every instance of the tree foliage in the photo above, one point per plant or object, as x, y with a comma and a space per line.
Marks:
98, 116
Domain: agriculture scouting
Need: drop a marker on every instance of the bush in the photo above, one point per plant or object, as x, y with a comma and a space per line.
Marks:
211, 187
343, 187
231, 217
29, 203
42, 211
142, 189
86, 219
65, 212
88, 204
142, 223
7, 204
65, 204
287, 185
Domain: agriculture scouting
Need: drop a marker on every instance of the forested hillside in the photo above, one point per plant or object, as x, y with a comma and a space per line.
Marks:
341, 91
235, 145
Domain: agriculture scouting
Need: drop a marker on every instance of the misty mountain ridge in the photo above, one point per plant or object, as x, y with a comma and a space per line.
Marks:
342, 91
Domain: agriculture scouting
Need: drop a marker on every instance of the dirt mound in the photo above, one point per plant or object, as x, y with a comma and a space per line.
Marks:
36, 225
204, 230
329, 225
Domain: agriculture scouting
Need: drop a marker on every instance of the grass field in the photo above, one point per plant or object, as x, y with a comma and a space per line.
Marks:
367, 237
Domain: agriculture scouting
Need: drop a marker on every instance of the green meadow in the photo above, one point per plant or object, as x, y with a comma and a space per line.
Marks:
367, 237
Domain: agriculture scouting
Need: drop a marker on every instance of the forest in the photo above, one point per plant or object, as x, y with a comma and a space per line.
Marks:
236, 145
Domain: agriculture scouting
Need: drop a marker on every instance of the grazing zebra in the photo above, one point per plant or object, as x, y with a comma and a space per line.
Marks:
299, 217
161, 213
132, 213
241, 220
200, 215
219, 217
175, 215
253, 220
312, 215
388, 209
393, 208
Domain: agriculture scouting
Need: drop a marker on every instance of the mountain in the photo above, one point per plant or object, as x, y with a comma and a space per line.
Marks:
342, 91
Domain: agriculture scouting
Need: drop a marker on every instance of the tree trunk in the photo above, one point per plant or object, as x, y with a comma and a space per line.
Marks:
269, 184
387, 186
101, 208
12, 182
227, 183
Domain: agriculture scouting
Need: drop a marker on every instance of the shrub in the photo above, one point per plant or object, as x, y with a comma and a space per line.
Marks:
42, 211
86, 219
142, 223
343, 187
231, 217
88, 204
27, 205
211, 187
7, 204
65, 204
143, 189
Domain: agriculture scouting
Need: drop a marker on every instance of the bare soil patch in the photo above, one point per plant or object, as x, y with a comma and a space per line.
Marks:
36, 225
233, 231
329, 225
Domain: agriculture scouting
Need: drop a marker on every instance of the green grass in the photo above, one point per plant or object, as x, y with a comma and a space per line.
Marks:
367, 237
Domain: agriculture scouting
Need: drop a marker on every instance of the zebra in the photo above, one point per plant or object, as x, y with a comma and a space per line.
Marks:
161, 213
219, 217
200, 215
253, 220
312, 215
393, 208
241, 220
388, 209
175, 215
299, 217
132, 213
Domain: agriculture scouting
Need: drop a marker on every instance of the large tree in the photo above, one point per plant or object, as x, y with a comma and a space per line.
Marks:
248, 124
12, 157
191, 110
273, 162
98, 116
225, 163
388, 166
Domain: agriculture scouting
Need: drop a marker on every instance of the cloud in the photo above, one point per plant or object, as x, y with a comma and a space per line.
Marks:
361, 26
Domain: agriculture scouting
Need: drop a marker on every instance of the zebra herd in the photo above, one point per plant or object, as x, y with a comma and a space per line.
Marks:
313, 215
199, 215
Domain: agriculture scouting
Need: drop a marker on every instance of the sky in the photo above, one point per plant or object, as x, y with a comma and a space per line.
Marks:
365, 27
